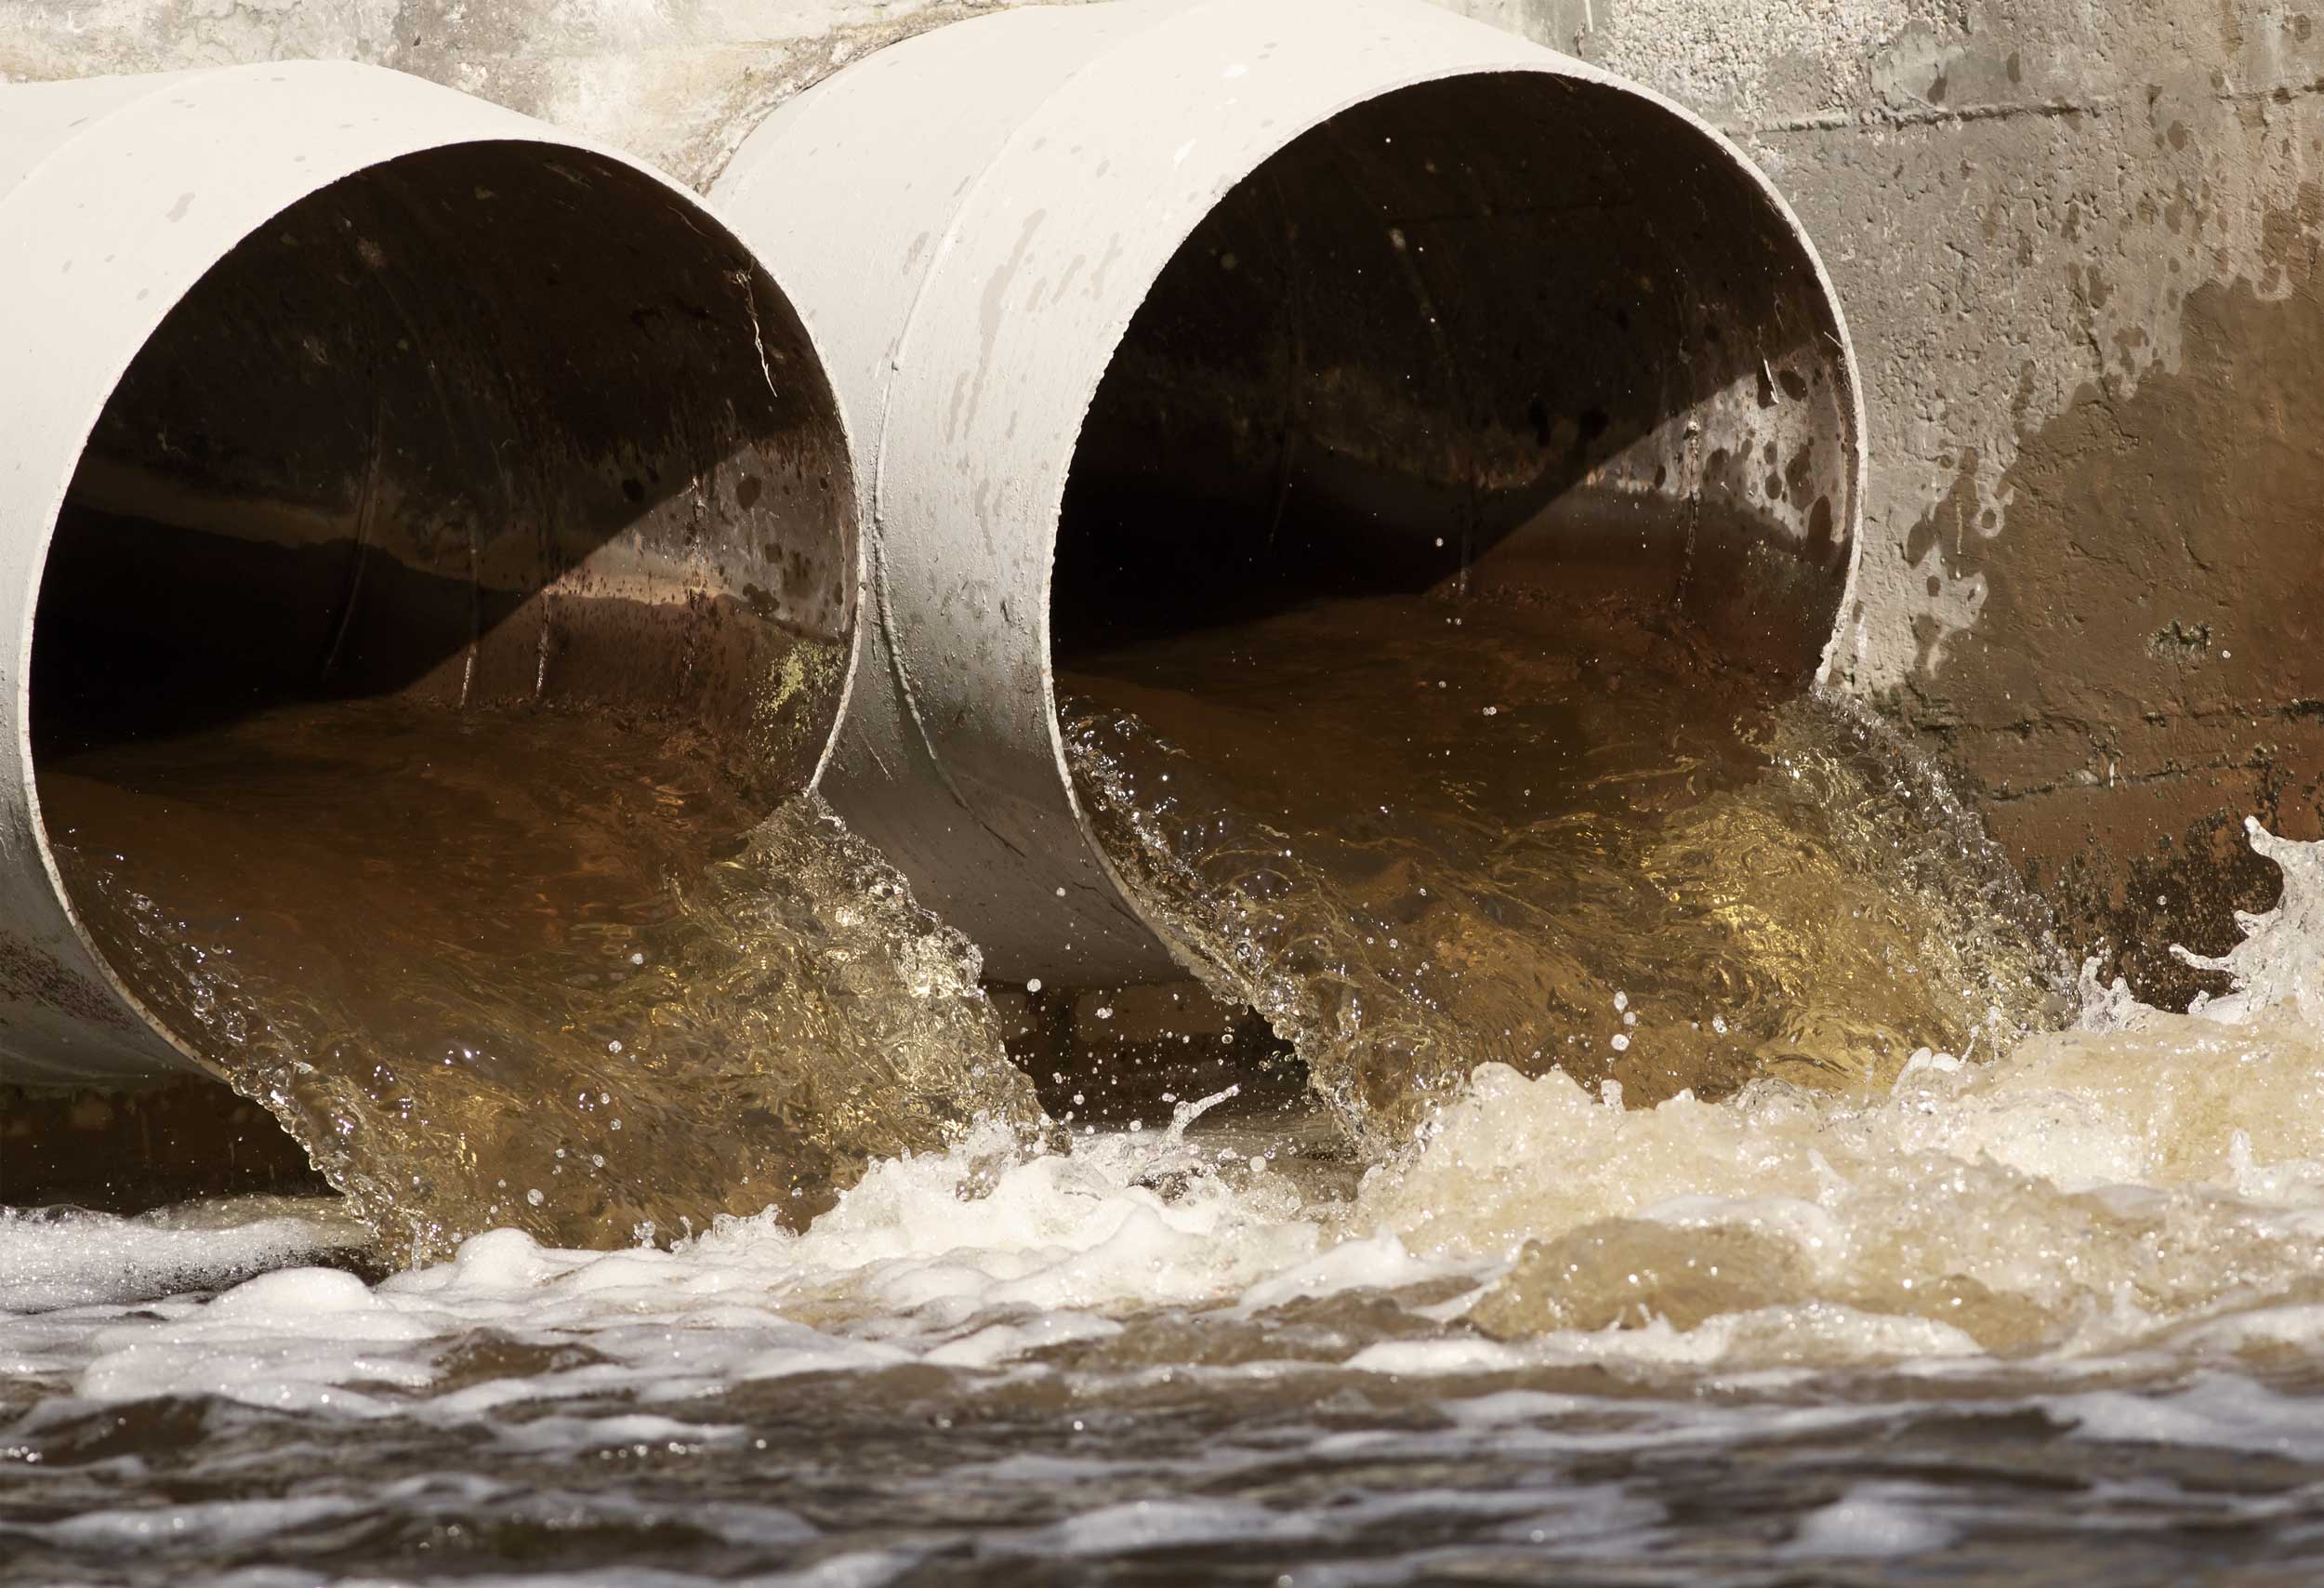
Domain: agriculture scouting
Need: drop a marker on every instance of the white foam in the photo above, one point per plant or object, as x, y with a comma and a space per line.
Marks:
1156, 1524
1880, 1521
2146, 1182
75, 1258
213, 1521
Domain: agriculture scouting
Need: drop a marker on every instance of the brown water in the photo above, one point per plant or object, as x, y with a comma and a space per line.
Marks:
1420, 835
1795, 1302
537, 971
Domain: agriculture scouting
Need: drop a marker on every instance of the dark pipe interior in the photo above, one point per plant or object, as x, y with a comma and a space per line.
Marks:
494, 426
1498, 334
474, 504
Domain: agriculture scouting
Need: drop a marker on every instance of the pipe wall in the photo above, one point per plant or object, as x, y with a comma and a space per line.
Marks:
1511, 310
326, 383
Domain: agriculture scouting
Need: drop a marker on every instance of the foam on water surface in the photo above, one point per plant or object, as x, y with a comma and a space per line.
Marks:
1518, 1333
2137, 1183
66, 1257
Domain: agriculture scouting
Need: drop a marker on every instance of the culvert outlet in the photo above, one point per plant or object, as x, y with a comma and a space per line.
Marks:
330, 385
1154, 312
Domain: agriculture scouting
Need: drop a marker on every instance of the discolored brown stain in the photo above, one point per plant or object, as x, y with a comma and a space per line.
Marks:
2146, 667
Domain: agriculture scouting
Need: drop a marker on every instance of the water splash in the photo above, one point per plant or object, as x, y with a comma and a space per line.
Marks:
1649, 870
2139, 1177
2279, 965
667, 1022
2099, 1195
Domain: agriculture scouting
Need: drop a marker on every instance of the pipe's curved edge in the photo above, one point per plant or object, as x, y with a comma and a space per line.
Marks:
1548, 62
1859, 422
857, 271
118, 196
1051, 164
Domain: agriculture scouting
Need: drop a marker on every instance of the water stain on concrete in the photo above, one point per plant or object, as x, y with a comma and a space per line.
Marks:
2147, 667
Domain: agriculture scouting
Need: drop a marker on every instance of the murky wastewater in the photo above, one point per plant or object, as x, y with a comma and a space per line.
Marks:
1422, 834
1716, 1181
688, 1010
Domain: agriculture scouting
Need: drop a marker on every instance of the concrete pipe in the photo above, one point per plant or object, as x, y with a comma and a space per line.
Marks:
1090, 276
326, 383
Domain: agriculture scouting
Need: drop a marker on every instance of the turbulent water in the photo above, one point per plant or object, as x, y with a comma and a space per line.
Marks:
687, 1010
2052, 1318
1720, 1192
1574, 840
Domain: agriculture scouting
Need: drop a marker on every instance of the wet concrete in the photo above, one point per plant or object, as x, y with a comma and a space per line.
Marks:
2145, 668
2034, 209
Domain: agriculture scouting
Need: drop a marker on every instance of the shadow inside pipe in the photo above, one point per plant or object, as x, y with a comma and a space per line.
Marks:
1489, 334
1443, 562
490, 427
459, 579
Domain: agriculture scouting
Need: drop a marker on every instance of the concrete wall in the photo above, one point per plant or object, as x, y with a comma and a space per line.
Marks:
2079, 242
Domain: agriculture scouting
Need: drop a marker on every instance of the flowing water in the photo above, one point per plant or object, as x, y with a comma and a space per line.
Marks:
1718, 1186
1419, 836
685, 1011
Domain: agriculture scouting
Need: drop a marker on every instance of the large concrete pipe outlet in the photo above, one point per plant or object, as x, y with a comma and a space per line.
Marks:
325, 383
1157, 310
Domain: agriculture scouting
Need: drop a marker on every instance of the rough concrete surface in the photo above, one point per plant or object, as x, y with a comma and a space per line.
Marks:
2078, 240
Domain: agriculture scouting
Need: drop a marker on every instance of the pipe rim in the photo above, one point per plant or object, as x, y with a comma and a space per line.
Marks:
1556, 67
422, 118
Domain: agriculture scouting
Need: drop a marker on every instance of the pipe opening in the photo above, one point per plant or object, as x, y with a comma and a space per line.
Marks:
469, 550
495, 427
1513, 335
1467, 496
